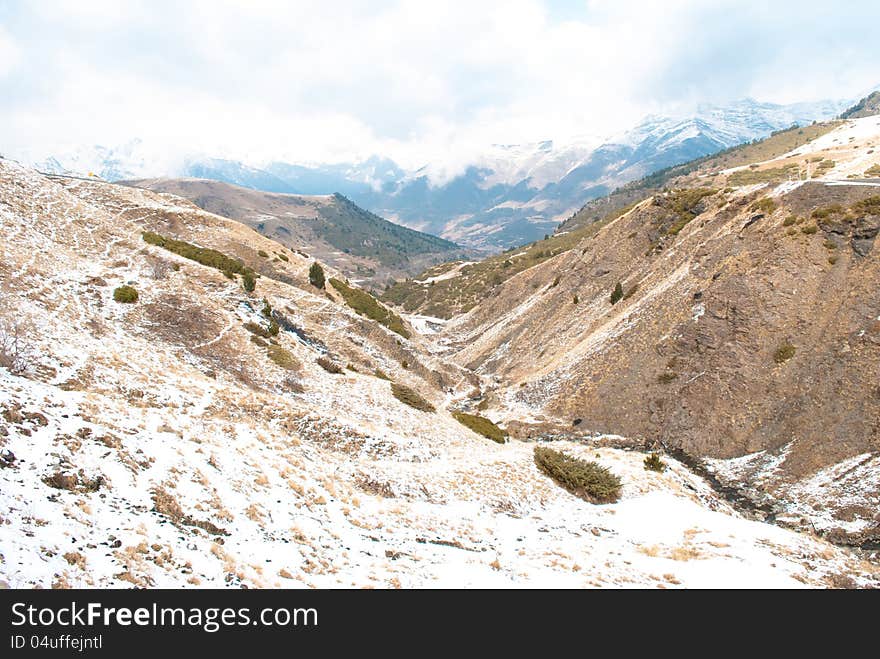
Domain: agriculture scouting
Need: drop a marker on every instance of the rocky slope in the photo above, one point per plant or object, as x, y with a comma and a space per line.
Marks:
179, 441
329, 227
746, 330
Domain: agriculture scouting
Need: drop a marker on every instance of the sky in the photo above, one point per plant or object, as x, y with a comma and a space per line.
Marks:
326, 81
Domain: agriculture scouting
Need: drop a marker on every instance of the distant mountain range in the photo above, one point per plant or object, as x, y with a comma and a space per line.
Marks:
511, 195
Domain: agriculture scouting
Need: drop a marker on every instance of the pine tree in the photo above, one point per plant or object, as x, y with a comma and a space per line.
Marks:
617, 293
316, 275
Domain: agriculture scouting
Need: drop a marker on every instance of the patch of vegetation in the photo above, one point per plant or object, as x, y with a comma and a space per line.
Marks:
654, 463
832, 259
765, 205
316, 275
824, 167
125, 295
282, 357
617, 293
873, 172
791, 219
262, 254
784, 352
667, 376
411, 397
575, 299
379, 373
329, 365
810, 229
685, 204
868, 206
366, 305
481, 425
282, 256
768, 175
206, 256
584, 479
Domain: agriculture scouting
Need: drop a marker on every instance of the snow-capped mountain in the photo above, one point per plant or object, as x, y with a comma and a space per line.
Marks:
511, 194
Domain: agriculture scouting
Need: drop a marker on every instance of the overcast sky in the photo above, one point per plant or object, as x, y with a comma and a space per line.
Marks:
330, 81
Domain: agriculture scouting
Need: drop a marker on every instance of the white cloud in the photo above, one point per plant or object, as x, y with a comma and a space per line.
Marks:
420, 82
10, 54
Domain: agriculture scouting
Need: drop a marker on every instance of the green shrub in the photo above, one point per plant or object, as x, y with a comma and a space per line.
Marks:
283, 257
282, 357
379, 373
575, 299
584, 479
125, 295
765, 205
810, 229
329, 365
316, 275
617, 293
206, 256
784, 353
263, 254
868, 206
248, 281
481, 425
366, 305
666, 377
788, 221
654, 463
873, 171
411, 397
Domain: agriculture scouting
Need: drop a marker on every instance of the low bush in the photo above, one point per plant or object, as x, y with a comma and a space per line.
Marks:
411, 397
584, 479
810, 229
328, 365
125, 295
765, 205
282, 357
366, 305
666, 377
654, 463
481, 425
784, 352
206, 256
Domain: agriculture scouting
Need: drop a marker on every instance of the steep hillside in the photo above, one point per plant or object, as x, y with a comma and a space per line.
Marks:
745, 324
453, 288
867, 107
163, 425
329, 227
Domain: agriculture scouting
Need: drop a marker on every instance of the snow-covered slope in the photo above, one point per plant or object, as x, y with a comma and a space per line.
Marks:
157, 444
